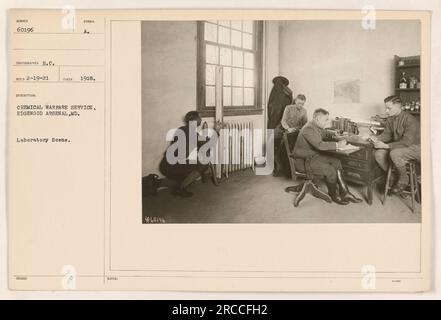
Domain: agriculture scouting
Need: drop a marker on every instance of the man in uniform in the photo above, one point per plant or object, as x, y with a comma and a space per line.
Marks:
295, 116
313, 139
399, 143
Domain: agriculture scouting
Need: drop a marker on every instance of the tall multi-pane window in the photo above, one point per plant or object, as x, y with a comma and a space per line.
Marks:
236, 47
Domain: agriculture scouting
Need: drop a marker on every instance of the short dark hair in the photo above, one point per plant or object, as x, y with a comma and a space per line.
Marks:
301, 97
394, 99
191, 116
321, 111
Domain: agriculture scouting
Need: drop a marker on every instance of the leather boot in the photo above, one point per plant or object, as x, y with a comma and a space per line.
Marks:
403, 180
182, 192
332, 191
345, 193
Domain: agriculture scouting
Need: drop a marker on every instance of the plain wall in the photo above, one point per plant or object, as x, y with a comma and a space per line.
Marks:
271, 53
168, 83
314, 54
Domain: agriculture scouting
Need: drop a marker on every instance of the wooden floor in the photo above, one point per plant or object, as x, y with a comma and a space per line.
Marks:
247, 198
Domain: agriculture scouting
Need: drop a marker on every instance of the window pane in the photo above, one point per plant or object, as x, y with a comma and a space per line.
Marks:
248, 26
236, 38
211, 55
247, 41
210, 96
224, 35
227, 76
237, 77
225, 23
249, 60
237, 58
248, 97
210, 32
227, 96
237, 96
236, 25
225, 56
210, 76
248, 78
212, 21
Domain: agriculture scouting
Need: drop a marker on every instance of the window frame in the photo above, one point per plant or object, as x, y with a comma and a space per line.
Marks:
255, 109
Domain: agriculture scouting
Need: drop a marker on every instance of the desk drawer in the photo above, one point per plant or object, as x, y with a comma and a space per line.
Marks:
360, 154
356, 175
356, 164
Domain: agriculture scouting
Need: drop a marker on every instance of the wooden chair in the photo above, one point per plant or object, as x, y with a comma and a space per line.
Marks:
308, 186
413, 181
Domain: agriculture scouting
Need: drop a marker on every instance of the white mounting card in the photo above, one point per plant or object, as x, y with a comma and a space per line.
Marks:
94, 96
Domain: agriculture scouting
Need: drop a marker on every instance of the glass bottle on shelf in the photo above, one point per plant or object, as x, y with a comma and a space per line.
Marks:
412, 82
417, 106
403, 81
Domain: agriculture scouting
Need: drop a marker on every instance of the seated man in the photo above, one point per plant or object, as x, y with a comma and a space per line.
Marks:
293, 119
400, 141
313, 139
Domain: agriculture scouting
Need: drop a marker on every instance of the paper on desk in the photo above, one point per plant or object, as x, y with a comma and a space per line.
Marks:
349, 147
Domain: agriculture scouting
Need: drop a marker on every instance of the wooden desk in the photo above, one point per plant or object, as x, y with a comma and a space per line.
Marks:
360, 167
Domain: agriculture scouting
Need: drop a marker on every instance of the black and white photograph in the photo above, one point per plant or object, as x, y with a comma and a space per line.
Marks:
278, 151
298, 121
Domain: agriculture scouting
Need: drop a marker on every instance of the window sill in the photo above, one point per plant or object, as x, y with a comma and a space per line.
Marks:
232, 112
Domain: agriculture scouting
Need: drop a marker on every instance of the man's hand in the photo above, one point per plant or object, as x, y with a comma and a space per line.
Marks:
353, 138
341, 144
290, 130
380, 145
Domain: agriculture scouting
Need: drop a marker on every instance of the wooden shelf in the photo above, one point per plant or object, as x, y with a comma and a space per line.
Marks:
408, 66
411, 67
